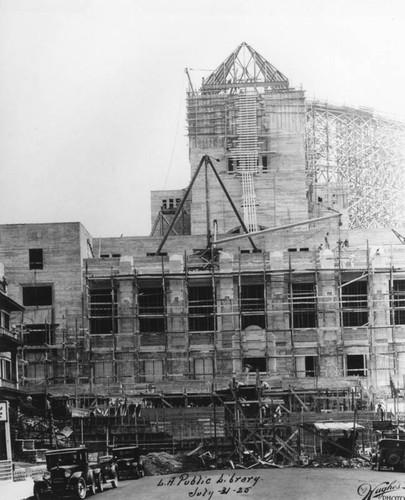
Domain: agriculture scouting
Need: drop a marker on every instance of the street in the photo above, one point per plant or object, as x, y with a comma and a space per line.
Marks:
274, 484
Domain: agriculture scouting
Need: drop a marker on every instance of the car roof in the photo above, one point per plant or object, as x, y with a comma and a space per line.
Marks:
64, 450
118, 448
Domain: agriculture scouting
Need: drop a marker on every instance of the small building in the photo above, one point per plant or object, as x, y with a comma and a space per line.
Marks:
10, 343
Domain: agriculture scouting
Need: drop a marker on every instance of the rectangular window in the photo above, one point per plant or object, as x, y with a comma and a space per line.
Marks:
36, 258
304, 305
251, 365
203, 369
354, 303
356, 365
6, 372
39, 334
153, 370
39, 295
252, 305
103, 310
307, 366
5, 320
311, 363
200, 309
398, 301
151, 309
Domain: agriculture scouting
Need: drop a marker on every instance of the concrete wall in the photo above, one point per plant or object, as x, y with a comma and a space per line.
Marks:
64, 246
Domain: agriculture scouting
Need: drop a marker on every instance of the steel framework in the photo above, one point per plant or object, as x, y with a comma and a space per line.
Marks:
360, 156
244, 68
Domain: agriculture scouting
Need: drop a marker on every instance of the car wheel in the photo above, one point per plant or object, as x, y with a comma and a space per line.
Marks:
114, 482
100, 483
93, 489
393, 458
81, 489
141, 468
38, 493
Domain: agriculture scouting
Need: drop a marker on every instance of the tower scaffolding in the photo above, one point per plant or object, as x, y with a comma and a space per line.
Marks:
246, 152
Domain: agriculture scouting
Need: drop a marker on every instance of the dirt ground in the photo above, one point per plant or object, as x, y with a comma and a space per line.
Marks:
274, 484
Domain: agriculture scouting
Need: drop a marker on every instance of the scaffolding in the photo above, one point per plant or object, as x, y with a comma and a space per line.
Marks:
245, 155
193, 327
183, 332
355, 161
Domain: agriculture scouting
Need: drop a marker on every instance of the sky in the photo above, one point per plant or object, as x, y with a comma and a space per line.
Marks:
93, 92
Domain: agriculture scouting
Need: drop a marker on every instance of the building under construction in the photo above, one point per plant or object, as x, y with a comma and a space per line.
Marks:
281, 265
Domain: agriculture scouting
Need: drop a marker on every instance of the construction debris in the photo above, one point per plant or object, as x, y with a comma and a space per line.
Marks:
328, 461
157, 464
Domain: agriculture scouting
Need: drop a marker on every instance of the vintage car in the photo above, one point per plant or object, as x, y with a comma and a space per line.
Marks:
70, 473
390, 453
129, 462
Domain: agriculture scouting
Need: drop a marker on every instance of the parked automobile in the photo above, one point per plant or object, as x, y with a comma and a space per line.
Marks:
70, 473
390, 453
129, 462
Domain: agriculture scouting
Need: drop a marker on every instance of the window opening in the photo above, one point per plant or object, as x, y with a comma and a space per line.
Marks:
151, 309
252, 305
398, 301
304, 305
251, 365
37, 295
356, 365
103, 310
5, 320
5, 369
311, 363
200, 309
354, 303
36, 260
39, 334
